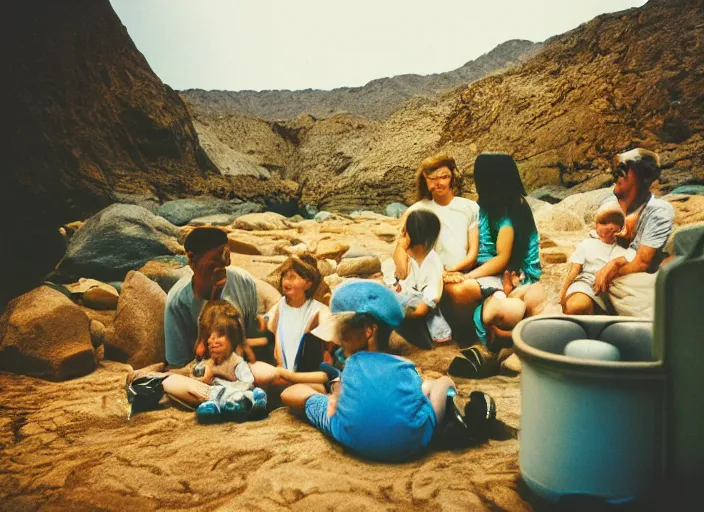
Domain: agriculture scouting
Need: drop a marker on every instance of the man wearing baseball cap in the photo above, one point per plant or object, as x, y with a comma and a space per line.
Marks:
381, 408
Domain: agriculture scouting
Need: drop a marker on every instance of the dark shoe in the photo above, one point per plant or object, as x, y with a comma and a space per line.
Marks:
209, 412
329, 370
465, 368
144, 393
479, 414
333, 375
258, 410
480, 363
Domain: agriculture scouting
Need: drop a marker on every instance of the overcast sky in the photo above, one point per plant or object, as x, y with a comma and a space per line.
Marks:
323, 44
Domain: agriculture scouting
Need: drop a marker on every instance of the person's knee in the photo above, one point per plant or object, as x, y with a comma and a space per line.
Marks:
288, 395
464, 292
578, 304
535, 299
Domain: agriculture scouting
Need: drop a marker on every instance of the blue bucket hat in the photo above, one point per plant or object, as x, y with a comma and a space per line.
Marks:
361, 296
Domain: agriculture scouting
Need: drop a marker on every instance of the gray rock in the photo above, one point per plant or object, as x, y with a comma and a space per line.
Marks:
147, 201
310, 210
395, 210
695, 190
219, 219
322, 216
114, 241
551, 193
182, 211
296, 218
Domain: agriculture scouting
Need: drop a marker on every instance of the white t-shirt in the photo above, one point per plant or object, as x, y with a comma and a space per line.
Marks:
425, 278
456, 219
291, 327
593, 254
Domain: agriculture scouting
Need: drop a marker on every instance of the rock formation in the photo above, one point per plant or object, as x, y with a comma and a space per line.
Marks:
622, 80
86, 123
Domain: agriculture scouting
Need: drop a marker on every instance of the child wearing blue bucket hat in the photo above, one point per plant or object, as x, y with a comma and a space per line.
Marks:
380, 408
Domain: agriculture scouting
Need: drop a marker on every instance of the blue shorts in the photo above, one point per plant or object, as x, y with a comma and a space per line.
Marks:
317, 413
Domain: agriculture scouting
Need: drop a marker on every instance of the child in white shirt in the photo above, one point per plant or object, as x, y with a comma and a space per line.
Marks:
577, 296
421, 290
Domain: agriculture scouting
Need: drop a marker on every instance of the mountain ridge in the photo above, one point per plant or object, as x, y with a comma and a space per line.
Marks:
377, 99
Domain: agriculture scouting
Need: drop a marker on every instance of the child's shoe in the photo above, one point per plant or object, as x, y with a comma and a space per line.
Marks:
258, 410
209, 412
235, 410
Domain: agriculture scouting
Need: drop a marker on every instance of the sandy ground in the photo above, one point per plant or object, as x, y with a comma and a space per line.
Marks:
70, 446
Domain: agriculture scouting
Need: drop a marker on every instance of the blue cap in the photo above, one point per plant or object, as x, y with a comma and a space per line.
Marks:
364, 296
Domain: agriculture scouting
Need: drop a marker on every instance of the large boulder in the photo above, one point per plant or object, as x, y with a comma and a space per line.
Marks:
697, 190
553, 218
267, 295
586, 204
688, 209
182, 211
165, 273
331, 250
243, 242
44, 334
362, 266
266, 221
136, 336
114, 241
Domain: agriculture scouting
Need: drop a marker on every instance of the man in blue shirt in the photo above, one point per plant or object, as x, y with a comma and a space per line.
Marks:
381, 408
209, 258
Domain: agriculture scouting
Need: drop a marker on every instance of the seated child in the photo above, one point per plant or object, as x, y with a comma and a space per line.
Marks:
219, 382
298, 355
577, 296
381, 408
421, 290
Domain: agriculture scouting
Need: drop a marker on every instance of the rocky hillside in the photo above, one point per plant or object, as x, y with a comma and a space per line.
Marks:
375, 100
622, 80
85, 121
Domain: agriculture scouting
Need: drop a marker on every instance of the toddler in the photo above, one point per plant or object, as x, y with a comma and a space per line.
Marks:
577, 296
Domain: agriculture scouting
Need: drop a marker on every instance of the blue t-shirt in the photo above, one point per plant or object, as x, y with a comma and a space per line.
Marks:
488, 232
382, 412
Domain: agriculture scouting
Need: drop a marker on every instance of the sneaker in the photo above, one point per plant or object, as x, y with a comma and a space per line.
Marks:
235, 410
144, 393
479, 414
476, 362
258, 410
209, 412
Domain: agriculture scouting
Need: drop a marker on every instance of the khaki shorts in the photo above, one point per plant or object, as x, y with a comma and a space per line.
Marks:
634, 294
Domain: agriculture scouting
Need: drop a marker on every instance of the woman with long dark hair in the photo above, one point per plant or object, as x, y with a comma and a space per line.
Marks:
508, 261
